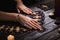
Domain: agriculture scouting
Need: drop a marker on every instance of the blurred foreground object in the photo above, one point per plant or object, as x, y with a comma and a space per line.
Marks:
10, 37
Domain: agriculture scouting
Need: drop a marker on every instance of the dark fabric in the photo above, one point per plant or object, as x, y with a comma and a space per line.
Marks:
8, 5
57, 8
31, 2
28, 2
3, 36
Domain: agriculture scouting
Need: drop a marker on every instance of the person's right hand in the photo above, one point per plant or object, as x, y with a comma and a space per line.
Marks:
29, 22
25, 9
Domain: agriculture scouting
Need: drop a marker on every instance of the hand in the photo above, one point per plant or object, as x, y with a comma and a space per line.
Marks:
25, 9
29, 22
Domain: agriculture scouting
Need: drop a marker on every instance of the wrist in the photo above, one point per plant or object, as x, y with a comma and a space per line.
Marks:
19, 17
19, 2
20, 5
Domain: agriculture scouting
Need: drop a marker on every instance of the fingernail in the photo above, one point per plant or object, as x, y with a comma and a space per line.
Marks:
28, 13
31, 12
41, 29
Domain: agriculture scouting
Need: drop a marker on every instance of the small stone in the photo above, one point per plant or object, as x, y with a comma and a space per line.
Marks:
34, 13
11, 29
10, 37
36, 17
17, 29
7, 28
44, 6
51, 14
2, 27
23, 29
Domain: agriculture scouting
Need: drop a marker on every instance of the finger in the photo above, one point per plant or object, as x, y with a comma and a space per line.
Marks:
28, 26
31, 25
40, 26
26, 11
36, 20
30, 10
37, 25
18, 10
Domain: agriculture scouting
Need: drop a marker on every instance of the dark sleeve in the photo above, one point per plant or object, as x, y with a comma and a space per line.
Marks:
31, 2
8, 6
57, 8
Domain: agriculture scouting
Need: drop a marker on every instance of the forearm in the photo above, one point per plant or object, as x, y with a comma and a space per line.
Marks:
19, 2
5, 16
